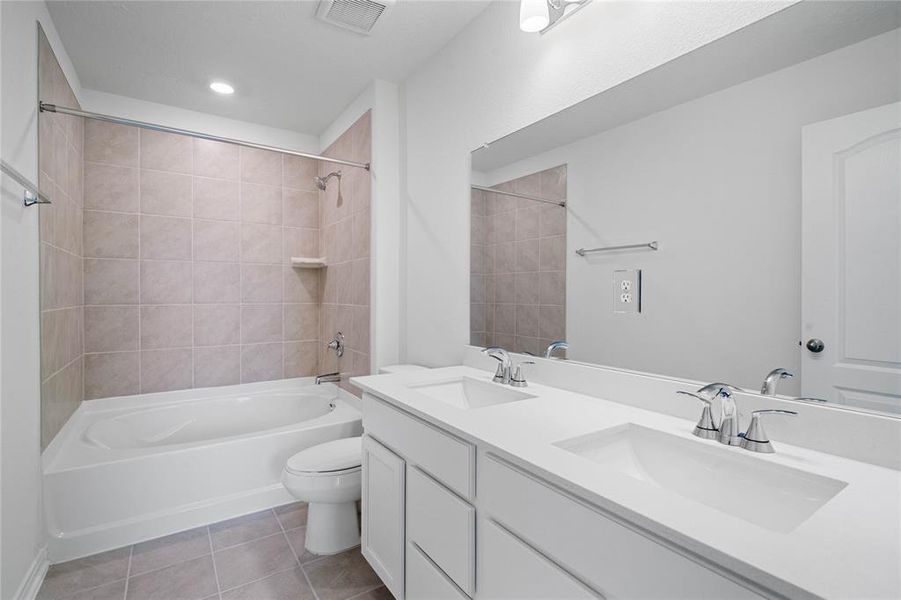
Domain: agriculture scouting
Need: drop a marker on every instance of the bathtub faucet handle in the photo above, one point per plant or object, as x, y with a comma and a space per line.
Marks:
337, 344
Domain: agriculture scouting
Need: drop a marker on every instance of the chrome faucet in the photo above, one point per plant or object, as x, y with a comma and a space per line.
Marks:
729, 431
755, 439
772, 380
328, 378
706, 428
518, 379
554, 346
504, 371
337, 344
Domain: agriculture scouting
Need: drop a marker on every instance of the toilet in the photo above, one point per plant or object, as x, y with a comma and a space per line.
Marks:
328, 477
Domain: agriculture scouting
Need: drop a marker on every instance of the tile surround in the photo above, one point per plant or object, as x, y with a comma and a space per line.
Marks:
255, 557
518, 264
187, 278
61, 177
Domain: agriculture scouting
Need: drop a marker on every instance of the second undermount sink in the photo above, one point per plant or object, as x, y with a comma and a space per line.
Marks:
468, 392
769, 495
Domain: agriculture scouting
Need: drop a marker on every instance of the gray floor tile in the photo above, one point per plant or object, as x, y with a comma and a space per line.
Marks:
381, 593
341, 576
244, 529
292, 515
169, 550
254, 560
297, 538
109, 591
191, 580
84, 573
287, 585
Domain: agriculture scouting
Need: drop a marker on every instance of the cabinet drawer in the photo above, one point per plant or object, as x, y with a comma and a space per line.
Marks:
509, 568
614, 559
426, 581
443, 526
448, 459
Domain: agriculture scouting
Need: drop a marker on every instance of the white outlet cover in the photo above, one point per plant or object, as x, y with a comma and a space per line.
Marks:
627, 291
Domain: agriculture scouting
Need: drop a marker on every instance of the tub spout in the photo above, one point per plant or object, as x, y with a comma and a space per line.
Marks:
328, 378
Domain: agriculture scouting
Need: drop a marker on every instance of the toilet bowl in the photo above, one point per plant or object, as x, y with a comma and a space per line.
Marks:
328, 477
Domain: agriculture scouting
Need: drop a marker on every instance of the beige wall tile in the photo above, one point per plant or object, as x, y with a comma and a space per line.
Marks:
164, 193
527, 222
553, 287
108, 281
166, 282
301, 322
343, 283
165, 370
60, 397
110, 328
553, 253
110, 187
360, 234
299, 173
527, 255
505, 291
261, 283
300, 242
261, 166
261, 243
166, 151
527, 320
217, 282
217, 365
261, 204
552, 323
215, 159
110, 235
262, 362
301, 285
215, 199
114, 374
261, 323
216, 240
217, 324
505, 318
553, 183
301, 359
552, 221
61, 338
300, 208
109, 143
527, 288
166, 326
165, 238
359, 282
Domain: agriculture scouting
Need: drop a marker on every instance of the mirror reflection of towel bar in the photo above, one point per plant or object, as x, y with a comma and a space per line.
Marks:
584, 251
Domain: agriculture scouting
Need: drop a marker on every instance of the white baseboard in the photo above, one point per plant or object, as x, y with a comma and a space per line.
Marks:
28, 590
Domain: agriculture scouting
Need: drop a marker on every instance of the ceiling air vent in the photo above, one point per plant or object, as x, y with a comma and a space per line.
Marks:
356, 15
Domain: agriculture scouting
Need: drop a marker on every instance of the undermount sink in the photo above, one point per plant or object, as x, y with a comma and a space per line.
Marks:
467, 392
772, 496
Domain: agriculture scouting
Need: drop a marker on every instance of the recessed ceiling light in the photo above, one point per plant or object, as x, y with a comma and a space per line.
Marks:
220, 87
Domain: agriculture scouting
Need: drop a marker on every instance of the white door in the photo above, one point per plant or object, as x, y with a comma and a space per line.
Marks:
851, 259
382, 542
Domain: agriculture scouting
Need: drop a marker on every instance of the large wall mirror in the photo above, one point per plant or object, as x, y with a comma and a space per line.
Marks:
729, 213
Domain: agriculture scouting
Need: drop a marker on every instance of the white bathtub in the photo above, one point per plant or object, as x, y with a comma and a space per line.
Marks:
128, 469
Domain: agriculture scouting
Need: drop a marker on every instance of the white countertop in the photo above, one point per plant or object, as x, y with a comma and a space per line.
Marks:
849, 548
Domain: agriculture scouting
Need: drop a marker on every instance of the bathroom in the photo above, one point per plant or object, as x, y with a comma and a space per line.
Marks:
372, 299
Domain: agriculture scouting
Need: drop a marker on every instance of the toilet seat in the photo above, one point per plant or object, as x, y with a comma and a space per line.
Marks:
331, 458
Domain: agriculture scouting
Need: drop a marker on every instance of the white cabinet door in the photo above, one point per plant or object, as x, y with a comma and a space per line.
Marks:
851, 259
508, 568
383, 514
425, 581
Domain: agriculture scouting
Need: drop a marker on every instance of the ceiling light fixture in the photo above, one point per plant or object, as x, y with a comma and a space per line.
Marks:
220, 87
539, 16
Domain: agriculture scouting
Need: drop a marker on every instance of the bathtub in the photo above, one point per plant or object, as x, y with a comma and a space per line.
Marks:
124, 470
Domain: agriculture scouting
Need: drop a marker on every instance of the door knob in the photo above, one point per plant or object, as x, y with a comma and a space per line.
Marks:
815, 345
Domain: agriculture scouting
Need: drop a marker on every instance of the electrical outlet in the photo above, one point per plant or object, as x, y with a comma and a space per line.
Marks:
627, 291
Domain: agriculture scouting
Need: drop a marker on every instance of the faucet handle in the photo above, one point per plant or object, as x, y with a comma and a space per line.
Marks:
755, 439
518, 379
706, 428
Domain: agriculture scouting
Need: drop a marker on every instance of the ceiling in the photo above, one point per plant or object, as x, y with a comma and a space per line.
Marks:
290, 70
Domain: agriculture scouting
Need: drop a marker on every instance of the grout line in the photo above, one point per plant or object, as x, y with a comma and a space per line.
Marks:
209, 538
361, 594
131, 552
296, 557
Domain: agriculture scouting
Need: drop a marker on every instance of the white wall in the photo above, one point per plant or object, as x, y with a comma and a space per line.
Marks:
21, 520
383, 98
172, 116
718, 182
493, 79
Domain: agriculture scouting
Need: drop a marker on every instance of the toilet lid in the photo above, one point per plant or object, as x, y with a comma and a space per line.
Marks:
338, 455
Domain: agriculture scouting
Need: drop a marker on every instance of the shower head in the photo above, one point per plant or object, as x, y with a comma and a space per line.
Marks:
322, 182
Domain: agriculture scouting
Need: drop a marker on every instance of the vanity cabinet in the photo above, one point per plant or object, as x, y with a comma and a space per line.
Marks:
382, 526
425, 514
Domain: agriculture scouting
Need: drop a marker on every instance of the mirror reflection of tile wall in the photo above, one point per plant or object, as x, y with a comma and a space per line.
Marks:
518, 264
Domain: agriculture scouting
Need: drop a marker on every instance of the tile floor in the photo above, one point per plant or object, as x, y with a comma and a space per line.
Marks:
260, 556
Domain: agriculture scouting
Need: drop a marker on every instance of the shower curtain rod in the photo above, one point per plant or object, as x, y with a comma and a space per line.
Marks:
515, 195
46, 107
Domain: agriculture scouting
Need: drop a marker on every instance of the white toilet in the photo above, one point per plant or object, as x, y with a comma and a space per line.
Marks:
328, 477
